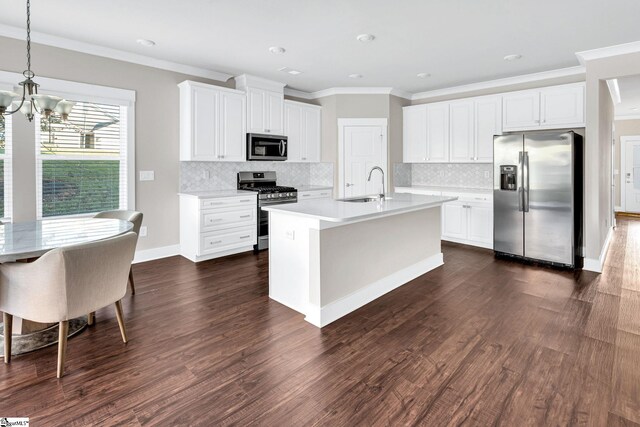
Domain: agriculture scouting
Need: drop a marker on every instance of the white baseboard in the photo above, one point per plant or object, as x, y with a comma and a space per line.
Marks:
595, 265
322, 316
156, 253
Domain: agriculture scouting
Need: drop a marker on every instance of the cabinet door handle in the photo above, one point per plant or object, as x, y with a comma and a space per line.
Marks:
245, 216
216, 242
245, 237
245, 200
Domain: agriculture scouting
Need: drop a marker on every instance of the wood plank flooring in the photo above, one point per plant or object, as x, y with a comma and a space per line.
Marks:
479, 341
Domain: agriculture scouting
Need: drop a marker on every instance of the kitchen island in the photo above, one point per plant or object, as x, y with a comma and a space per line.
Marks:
329, 257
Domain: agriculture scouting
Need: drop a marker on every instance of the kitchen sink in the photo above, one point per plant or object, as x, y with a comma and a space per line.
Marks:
365, 199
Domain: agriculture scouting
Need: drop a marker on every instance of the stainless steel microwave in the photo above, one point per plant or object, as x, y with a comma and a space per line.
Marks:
266, 147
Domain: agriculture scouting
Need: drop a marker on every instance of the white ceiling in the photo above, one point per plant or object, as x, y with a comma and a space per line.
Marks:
629, 96
456, 41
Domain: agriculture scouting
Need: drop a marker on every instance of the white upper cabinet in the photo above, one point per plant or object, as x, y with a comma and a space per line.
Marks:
265, 104
488, 123
562, 106
521, 110
414, 134
302, 126
212, 123
462, 144
552, 107
438, 132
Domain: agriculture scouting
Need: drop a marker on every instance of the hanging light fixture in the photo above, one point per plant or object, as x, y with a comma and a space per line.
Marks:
32, 102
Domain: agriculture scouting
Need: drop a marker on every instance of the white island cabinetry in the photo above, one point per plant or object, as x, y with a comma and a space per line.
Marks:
329, 257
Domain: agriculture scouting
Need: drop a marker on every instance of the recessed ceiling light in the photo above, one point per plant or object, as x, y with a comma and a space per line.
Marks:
423, 75
355, 76
635, 109
366, 38
277, 50
146, 42
290, 71
513, 57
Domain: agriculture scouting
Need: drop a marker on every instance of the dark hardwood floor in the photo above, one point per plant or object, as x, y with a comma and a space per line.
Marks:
478, 341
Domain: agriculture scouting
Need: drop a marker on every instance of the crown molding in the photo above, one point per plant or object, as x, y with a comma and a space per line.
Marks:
347, 91
106, 52
627, 117
609, 51
498, 83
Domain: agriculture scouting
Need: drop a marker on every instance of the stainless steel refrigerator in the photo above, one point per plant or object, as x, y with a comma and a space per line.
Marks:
537, 196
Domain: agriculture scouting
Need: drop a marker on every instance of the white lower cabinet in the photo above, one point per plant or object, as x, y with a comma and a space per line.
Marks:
215, 227
468, 220
314, 194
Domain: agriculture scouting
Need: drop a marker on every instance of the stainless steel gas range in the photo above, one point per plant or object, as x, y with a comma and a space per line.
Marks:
264, 183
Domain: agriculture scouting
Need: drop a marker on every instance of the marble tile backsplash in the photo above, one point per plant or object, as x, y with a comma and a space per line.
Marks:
468, 175
203, 176
402, 174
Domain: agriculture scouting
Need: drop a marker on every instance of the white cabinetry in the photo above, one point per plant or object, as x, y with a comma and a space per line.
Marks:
265, 104
487, 124
552, 107
461, 117
414, 131
214, 227
314, 194
302, 124
212, 123
468, 220
438, 132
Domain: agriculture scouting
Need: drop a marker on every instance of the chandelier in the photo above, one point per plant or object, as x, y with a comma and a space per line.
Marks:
32, 102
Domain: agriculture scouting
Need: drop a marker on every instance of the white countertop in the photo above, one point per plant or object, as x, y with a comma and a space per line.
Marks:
312, 187
217, 194
340, 211
446, 189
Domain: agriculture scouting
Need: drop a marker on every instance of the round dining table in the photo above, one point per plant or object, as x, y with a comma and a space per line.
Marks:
26, 241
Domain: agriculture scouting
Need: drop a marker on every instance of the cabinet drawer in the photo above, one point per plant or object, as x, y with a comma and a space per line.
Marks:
214, 219
474, 198
316, 194
222, 240
228, 201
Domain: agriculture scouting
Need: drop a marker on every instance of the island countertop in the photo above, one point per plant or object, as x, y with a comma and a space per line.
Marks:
341, 211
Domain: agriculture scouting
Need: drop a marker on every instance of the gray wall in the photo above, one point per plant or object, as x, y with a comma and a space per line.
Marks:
157, 130
598, 146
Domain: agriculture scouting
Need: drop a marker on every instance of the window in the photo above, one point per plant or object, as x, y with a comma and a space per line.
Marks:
82, 162
5, 168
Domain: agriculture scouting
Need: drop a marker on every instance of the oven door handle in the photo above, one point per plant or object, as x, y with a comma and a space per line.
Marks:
276, 202
283, 147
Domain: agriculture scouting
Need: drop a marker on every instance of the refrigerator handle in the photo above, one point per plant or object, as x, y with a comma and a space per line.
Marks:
525, 182
520, 179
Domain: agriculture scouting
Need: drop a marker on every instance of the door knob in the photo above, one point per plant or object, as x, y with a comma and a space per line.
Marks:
348, 185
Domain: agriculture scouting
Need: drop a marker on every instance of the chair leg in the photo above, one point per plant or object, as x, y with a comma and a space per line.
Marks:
123, 330
133, 286
63, 331
8, 327
91, 318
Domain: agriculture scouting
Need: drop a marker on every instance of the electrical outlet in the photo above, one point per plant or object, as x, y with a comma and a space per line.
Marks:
441, 174
143, 231
290, 234
487, 174
206, 174
147, 175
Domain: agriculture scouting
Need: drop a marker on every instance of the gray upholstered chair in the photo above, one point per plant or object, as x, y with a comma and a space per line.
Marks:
135, 218
64, 284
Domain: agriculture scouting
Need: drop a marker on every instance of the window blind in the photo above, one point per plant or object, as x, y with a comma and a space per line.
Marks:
82, 162
6, 175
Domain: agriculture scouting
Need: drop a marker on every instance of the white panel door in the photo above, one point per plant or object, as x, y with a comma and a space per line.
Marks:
293, 131
232, 127
454, 220
414, 134
311, 118
461, 132
256, 110
480, 223
363, 149
631, 178
438, 132
205, 124
521, 110
562, 105
488, 122
274, 113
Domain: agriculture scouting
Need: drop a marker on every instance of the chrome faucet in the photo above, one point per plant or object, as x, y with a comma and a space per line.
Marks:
382, 172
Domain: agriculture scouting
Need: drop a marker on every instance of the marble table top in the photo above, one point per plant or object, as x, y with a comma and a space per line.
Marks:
33, 239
